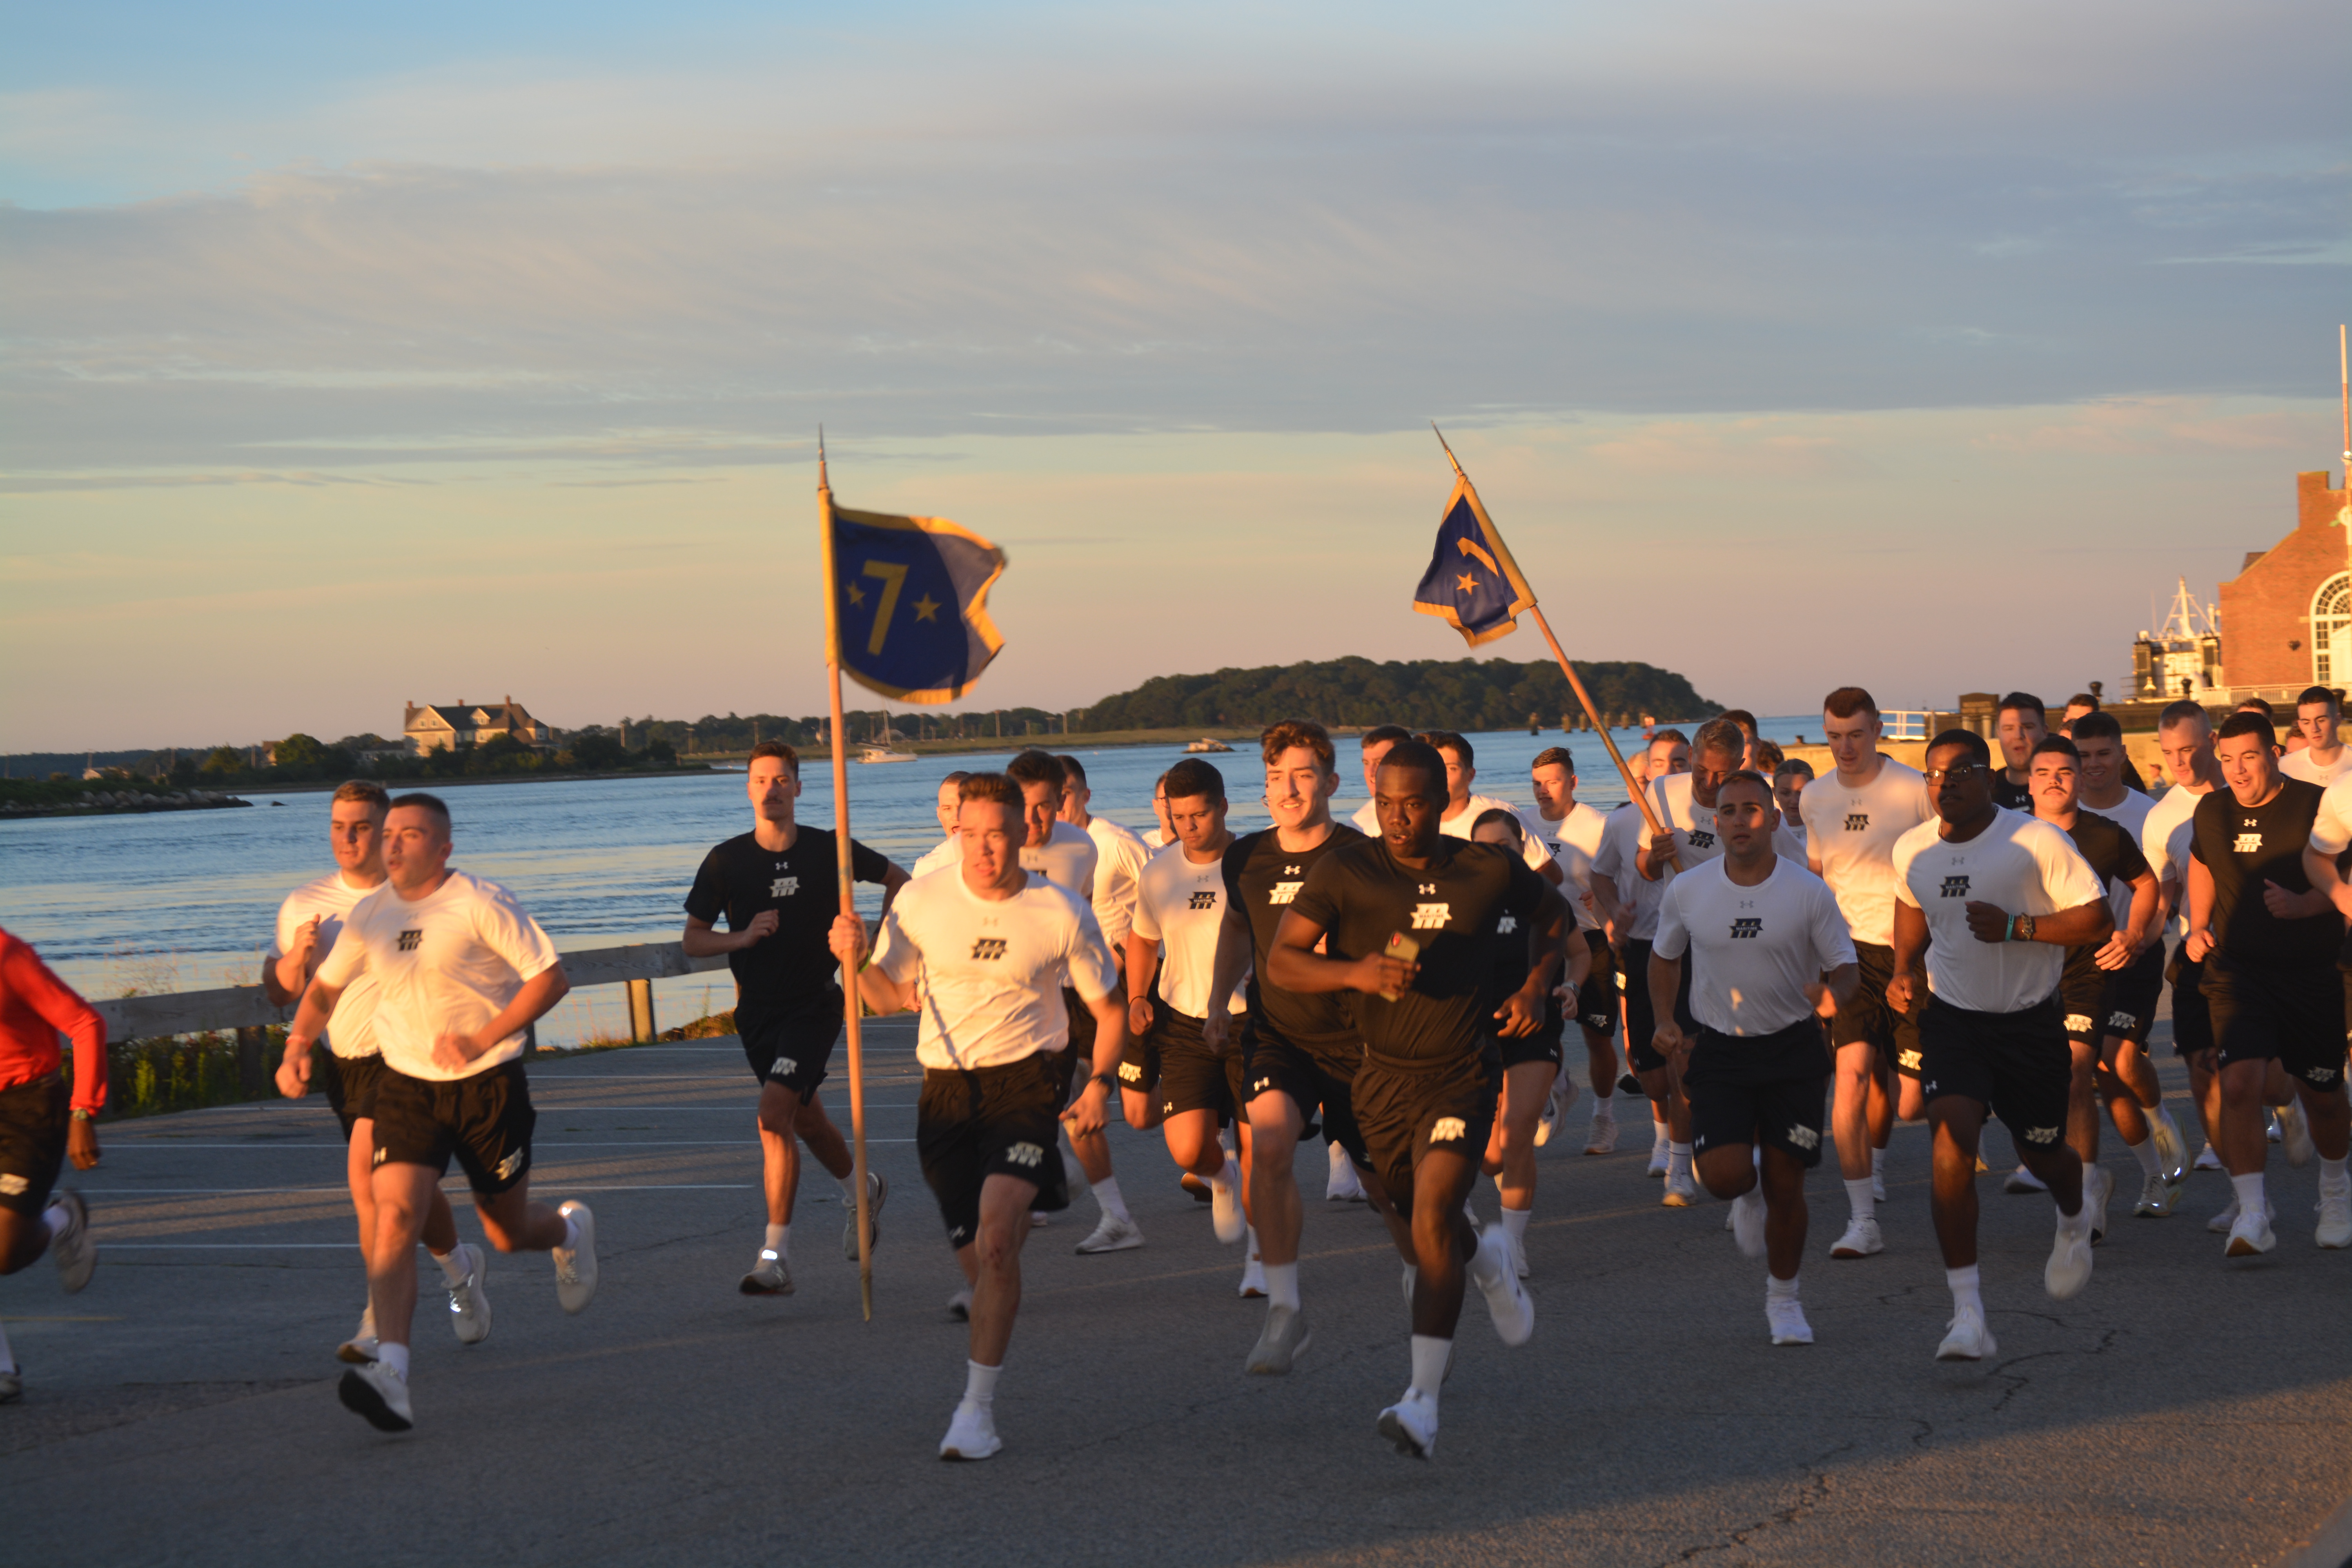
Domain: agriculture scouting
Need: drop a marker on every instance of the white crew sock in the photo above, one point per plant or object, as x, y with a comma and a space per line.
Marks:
1515, 1223
1429, 1358
571, 1233
1779, 1290
979, 1384
1863, 1198
455, 1264
2250, 1194
395, 1358
1603, 1108
2333, 1178
1967, 1286
1678, 1160
778, 1240
1660, 1133
848, 1185
1106, 1195
2145, 1152
7, 1358
1227, 1172
1282, 1285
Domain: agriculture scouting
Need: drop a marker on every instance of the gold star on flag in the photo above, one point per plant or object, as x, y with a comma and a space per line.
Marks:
926, 608
856, 594
1469, 583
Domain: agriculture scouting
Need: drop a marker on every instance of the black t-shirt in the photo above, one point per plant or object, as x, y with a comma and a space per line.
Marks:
791, 967
1262, 878
1360, 897
1510, 973
2116, 856
2015, 796
2244, 846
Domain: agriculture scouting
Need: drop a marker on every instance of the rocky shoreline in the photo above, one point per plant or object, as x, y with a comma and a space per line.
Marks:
114, 803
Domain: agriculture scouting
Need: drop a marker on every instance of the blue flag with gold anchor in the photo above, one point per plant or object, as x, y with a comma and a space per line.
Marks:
1472, 580
910, 594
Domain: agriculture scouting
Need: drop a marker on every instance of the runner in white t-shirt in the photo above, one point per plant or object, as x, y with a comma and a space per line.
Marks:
2184, 739
946, 852
1463, 807
1162, 835
1853, 815
1373, 745
2323, 758
987, 954
1767, 952
460, 972
1789, 775
1120, 855
1991, 900
1573, 832
308, 921
1631, 917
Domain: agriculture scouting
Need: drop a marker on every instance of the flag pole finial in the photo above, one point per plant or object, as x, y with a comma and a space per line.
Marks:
1449, 450
821, 481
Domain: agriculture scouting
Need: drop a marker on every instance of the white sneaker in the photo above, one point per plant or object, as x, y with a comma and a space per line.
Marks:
1225, 1216
1549, 1120
2271, 1129
1601, 1137
1787, 1320
2295, 1134
972, 1435
1748, 1223
2226, 1221
1680, 1191
70, 1242
2156, 1197
1343, 1187
361, 1348
1860, 1241
877, 1189
379, 1394
469, 1298
2069, 1268
2098, 1187
1280, 1344
1659, 1157
770, 1275
1039, 1219
2252, 1235
959, 1305
1411, 1424
575, 1267
1969, 1339
2207, 1160
2024, 1180
2171, 1151
1252, 1285
1113, 1234
1519, 1258
2335, 1220
1507, 1301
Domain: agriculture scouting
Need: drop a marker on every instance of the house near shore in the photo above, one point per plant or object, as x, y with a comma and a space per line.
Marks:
445, 726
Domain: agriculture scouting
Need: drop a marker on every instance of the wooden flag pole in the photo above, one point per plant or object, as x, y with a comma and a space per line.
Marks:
851, 1011
1633, 789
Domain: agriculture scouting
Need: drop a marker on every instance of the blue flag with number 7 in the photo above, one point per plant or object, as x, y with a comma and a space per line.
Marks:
911, 603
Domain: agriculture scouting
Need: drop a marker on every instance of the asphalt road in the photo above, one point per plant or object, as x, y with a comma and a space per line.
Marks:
2183, 1410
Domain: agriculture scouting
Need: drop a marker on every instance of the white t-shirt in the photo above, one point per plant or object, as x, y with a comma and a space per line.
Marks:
1693, 826
1621, 835
2331, 829
2018, 864
1851, 833
1120, 858
1181, 906
946, 852
1067, 860
1753, 949
2164, 835
330, 899
1573, 841
1367, 820
2298, 765
445, 964
2129, 813
991, 970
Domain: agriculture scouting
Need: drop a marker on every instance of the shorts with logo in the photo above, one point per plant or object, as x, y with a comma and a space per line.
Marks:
485, 1120
2127, 1010
1320, 1075
1174, 1063
1641, 1019
2192, 1018
978, 1122
350, 1084
2295, 1016
1405, 1112
2016, 1063
2078, 1006
1543, 1046
1870, 1018
792, 1049
1596, 999
1770, 1089
34, 1118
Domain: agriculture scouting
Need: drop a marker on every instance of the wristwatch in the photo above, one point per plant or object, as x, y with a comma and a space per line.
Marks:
81, 1115
2021, 928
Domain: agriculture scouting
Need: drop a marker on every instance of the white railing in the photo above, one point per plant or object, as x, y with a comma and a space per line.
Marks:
1906, 724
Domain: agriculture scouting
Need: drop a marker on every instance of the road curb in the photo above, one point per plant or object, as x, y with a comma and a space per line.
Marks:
2328, 1546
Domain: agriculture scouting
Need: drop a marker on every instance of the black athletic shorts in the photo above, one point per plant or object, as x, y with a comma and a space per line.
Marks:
1869, 1016
350, 1085
2128, 1011
1076, 1066
1767, 1089
991, 1121
485, 1120
792, 1050
1404, 1114
1543, 1046
2017, 1064
1174, 1062
1641, 1019
33, 1121
2193, 1020
2295, 1015
1596, 999
1311, 1077
2079, 1007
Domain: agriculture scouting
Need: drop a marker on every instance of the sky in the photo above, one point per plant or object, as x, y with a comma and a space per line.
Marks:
444, 353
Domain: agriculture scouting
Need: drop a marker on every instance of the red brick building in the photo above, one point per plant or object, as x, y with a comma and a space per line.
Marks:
2286, 618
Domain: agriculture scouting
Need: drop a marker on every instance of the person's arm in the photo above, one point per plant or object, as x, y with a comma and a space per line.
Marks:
62, 1008
875, 985
1616, 915
283, 977
2200, 910
1835, 990
2139, 925
1910, 949
1522, 1012
1653, 856
1580, 964
2084, 924
1086, 1116
1665, 982
703, 939
318, 999
893, 880
540, 993
1142, 967
1293, 963
2287, 905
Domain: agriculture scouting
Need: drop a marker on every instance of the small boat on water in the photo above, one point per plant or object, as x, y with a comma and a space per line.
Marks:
1204, 745
884, 755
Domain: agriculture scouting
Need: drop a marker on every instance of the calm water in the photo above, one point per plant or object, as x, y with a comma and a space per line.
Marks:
182, 900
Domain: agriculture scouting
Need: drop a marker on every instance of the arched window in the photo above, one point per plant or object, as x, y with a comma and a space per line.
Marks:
2331, 616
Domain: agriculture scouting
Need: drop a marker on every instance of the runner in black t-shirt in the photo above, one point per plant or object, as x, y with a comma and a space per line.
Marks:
2269, 942
2019, 724
2115, 855
777, 887
1407, 923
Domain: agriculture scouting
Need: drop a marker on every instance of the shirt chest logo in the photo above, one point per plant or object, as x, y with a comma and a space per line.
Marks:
1431, 917
1956, 887
987, 947
410, 941
1506, 925
784, 887
1701, 838
1283, 893
1204, 899
1857, 821
1746, 930
2248, 844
